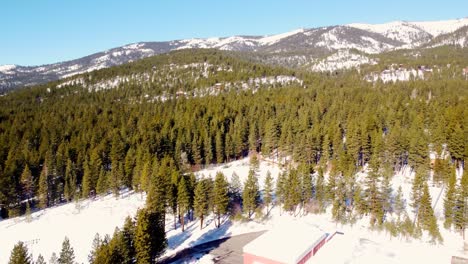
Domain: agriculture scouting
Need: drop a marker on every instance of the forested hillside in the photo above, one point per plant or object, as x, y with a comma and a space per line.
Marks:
145, 124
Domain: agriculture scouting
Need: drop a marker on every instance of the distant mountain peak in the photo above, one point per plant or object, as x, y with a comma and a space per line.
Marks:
316, 43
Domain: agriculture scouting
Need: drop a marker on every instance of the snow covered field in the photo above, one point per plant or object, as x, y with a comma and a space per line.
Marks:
45, 233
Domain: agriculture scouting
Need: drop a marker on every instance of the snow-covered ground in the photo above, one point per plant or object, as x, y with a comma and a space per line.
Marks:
79, 222
45, 233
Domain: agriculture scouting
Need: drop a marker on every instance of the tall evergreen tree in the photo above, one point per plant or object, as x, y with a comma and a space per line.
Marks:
268, 191
250, 195
43, 192
201, 200
320, 189
69, 191
399, 203
220, 196
67, 255
27, 182
150, 237
20, 255
235, 190
306, 183
128, 234
102, 186
460, 217
426, 217
449, 201
183, 200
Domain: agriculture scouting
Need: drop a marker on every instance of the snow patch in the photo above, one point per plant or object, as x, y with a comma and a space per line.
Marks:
7, 69
269, 40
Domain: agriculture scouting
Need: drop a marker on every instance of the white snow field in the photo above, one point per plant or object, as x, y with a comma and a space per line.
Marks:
45, 233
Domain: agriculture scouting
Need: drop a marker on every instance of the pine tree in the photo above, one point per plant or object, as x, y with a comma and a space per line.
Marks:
270, 139
54, 259
306, 183
399, 203
219, 147
320, 189
102, 186
150, 236
250, 195
449, 201
417, 188
235, 190
67, 255
293, 191
220, 196
358, 202
460, 217
145, 177
281, 184
253, 137
94, 249
27, 182
20, 255
268, 191
172, 195
128, 234
70, 181
426, 217
372, 192
183, 200
157, 190
40, 260
201, 200
43, 193
386, 191
339, 202
86, 184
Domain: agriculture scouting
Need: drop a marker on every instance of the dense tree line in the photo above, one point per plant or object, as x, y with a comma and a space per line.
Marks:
61, 144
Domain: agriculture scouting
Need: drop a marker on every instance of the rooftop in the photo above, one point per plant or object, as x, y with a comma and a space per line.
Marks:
286, 243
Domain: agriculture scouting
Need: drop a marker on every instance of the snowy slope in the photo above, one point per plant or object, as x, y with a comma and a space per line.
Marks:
79, 222
437, 28
315, 42
413, 33
343, 59
405, 32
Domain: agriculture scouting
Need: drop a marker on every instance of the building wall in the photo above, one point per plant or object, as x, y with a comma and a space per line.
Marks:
252, 259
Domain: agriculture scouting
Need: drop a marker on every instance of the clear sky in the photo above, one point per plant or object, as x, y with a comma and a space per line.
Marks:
34, 32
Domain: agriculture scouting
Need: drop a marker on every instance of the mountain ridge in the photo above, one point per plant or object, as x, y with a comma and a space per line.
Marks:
316, 42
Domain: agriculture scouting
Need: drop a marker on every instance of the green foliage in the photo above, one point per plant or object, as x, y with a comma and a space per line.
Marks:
220, 196
183, 199
20, 255
426, 217
449, 201
399, 207
43, 191
67, 254
250, 195
268, 191
202, 199
150, 237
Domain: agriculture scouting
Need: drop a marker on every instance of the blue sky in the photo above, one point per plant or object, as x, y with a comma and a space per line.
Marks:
34, 32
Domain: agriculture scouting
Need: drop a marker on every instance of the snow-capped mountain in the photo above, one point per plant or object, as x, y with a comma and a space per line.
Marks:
457, 38
313, 45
